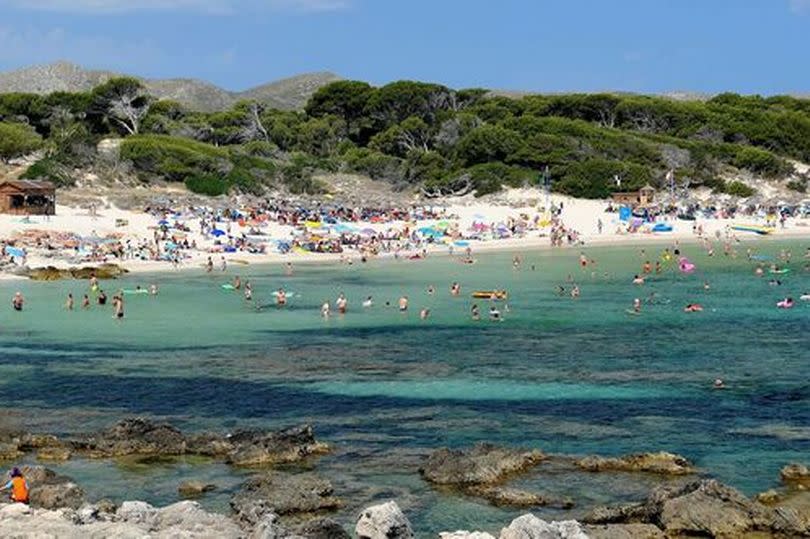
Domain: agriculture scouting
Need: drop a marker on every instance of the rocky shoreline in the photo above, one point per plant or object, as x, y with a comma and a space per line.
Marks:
275, 503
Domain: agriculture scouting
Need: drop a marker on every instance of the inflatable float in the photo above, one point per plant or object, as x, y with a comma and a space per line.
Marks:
756, 229
779, 271
786, 303
685, 265
490, 294
136, 291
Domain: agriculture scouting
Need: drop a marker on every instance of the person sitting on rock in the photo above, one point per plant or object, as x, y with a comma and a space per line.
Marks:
18, 486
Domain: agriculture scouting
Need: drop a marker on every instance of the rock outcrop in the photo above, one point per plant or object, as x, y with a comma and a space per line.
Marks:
50, 490
531, 527
184, 519
191, 489
707, 509
141, 436
660, 463
483, 465
384, 521
283, 494
513, 497
51, 273
795, 474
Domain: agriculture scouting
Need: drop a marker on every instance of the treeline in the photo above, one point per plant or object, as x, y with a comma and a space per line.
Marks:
413, 134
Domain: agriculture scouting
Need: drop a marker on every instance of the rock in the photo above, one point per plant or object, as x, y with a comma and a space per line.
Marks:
30, 441
251, 448
624, 531
50, 490
188, 519
322, 528
482, 465
9, 451
283, 494
769, 497
531, 527
661, 463
54, 453
465, 535
135, 436
269, 528
385, 521
513, 497
795, 473
699, 508
137, 512
51, 273
194, 488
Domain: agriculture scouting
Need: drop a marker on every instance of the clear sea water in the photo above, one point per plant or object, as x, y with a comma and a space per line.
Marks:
565, 376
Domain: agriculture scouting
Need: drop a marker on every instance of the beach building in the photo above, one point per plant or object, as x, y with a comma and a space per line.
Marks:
642, 198
27, 197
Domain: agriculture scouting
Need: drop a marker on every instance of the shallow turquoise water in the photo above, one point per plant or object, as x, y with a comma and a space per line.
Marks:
384, 388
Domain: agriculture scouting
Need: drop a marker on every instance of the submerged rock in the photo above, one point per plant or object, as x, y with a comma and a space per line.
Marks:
9, 451
661, 463
624, 531
531, 527
194, 488
54, 453
512, 497
283, 494
463, 534
384, 521
482, 465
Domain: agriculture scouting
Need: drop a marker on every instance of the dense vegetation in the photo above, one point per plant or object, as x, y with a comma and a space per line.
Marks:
415, 134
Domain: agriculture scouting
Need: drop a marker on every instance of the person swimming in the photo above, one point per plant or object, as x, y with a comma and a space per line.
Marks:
637, 279
455, 289
341, 303
86, 302
575, 292
69, 302
494, 314
637, 306
281, 298
424, 313
368, 302
431, 290
237, 283
248, 291
325, 308
475, 312
17, 301
403, 304
719, 384
102, 297
693, 308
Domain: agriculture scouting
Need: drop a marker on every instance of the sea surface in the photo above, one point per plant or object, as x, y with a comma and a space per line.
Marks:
384, 388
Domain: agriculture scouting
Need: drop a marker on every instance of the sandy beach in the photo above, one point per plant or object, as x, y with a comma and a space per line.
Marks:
582, 216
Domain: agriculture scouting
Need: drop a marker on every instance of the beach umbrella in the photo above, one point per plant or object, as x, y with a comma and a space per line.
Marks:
171, 246
14, 251
368, 232
163, 222
217, 233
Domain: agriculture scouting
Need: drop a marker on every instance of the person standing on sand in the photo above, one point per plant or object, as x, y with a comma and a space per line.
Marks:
17, 301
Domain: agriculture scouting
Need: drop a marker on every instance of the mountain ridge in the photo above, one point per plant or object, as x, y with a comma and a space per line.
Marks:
290, 93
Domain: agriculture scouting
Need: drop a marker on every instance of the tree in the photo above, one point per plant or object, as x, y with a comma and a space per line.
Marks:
398, 101
487, 143
346, 99
17, 140
123, 102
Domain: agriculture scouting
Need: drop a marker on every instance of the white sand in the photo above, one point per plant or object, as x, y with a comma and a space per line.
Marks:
581, 215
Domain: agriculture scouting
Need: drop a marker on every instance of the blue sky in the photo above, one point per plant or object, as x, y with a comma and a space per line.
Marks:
747, 46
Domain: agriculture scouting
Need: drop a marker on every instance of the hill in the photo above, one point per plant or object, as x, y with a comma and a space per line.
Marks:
286, 94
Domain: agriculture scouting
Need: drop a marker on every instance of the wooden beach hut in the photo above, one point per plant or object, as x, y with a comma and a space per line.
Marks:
27, 197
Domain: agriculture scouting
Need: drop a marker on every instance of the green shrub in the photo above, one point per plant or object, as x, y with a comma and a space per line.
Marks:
17, 140
738, 189
594, 178
799, 185
50, 170
760, 161
376, 165
174, 158
207, 185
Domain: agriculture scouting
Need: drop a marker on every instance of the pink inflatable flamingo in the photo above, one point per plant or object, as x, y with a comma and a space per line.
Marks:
685, 265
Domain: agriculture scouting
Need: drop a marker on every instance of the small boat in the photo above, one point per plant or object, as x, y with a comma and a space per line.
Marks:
490, 294
756, 229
